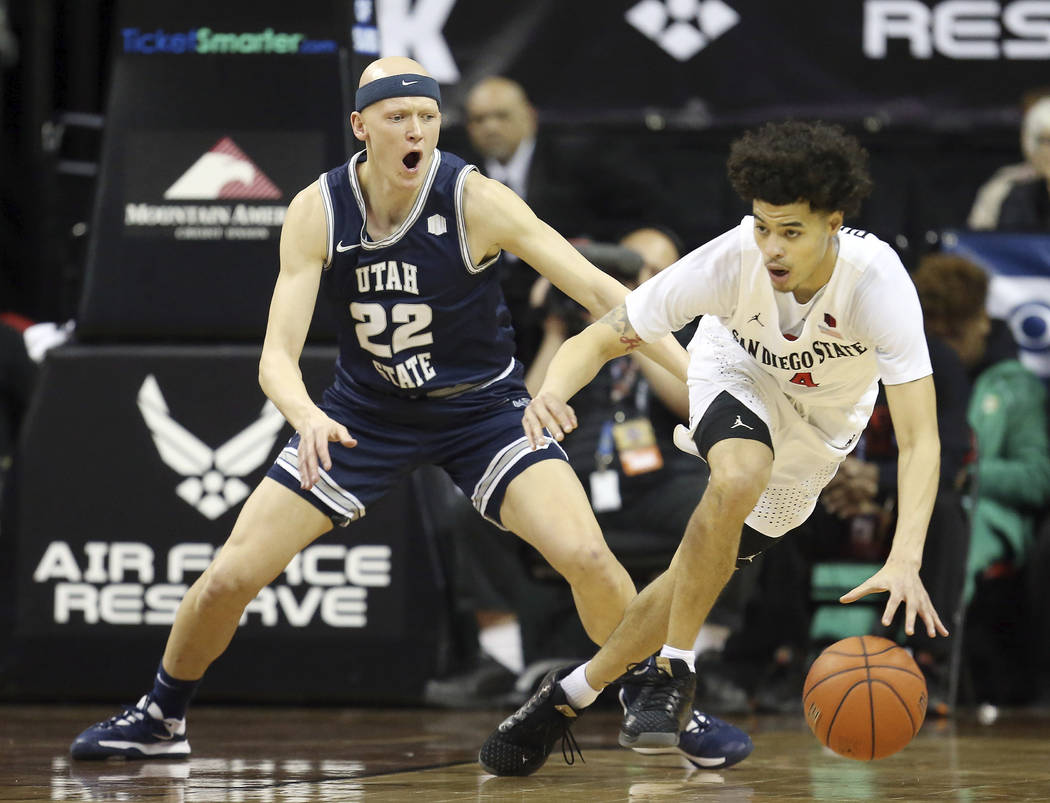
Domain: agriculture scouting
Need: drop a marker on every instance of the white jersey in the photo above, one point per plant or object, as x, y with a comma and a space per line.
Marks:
817, 364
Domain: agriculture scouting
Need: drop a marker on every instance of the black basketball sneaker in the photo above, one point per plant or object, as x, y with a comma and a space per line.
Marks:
661, 708
522, 742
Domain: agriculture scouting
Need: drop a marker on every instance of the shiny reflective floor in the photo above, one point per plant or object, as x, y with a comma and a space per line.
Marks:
286, 754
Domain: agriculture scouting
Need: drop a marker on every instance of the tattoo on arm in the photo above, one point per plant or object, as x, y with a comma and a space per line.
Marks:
618, 321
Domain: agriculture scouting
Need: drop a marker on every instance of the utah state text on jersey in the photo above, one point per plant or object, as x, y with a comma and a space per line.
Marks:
411, 324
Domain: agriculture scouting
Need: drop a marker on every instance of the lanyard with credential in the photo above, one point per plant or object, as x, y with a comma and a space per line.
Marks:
605, 481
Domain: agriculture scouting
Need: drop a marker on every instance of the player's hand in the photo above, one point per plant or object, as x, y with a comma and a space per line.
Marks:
901, 579
314, 436
547, 411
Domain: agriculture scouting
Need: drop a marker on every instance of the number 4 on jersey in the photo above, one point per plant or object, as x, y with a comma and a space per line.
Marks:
803, 378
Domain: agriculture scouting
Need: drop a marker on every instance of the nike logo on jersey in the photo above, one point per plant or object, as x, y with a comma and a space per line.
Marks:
408, 83
755, 319
740, 423
340, 247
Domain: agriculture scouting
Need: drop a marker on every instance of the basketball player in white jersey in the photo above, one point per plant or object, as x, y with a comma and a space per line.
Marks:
801, 319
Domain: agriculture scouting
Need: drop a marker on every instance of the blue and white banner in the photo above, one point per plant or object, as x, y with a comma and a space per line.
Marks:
1019, 292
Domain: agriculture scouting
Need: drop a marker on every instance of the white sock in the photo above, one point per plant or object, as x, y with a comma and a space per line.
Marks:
503, 642
683, 655
577, 690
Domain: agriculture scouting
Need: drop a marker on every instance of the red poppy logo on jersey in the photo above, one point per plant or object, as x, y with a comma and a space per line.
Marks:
223, 172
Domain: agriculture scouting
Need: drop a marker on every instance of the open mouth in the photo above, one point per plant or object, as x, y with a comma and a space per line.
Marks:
778, 271
411, 160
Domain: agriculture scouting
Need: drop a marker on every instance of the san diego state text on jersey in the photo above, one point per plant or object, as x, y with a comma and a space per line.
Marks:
822, 350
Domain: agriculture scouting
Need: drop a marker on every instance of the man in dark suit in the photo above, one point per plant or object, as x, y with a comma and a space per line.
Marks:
581, 187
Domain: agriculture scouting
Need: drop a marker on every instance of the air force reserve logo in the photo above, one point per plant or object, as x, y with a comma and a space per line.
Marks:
212, 481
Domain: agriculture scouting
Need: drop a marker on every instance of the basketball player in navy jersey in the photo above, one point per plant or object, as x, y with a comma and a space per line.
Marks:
400, 240
801, 318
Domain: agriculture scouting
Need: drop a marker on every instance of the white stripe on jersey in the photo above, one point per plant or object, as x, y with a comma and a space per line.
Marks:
367, 243
329, 217
461, 224
498, 467
326, 489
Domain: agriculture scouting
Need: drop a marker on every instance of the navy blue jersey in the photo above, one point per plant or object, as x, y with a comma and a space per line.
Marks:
416, 318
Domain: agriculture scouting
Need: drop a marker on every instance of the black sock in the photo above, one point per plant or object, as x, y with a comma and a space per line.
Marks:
173, 696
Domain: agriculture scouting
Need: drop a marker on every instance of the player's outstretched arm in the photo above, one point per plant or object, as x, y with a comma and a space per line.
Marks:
303, 252
498, 218
575, 364
914, 412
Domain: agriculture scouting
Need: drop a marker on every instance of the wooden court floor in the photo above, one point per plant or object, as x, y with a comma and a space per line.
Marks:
355, 754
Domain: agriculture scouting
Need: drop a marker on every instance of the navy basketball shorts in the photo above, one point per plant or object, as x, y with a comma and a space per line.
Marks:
477, 438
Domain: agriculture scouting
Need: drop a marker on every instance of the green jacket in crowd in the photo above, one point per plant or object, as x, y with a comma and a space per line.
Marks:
1008, 416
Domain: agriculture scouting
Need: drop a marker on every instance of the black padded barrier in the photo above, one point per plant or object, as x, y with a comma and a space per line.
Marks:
133, 466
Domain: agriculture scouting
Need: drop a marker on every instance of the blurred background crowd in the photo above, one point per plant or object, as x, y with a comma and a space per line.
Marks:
621, 149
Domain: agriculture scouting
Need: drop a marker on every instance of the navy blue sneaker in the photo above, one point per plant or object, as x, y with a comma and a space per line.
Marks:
522, 742
707, 742
140, 731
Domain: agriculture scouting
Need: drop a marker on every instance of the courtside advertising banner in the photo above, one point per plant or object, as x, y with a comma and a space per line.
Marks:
202, 28
915, 61
214, 122
159, 454
201, 157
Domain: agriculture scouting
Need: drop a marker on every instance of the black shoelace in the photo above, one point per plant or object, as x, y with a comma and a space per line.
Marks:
659, 690
651, 677
568, 740
662, 697
570, 749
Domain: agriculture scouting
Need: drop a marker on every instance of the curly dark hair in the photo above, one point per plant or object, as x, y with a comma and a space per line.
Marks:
793, 161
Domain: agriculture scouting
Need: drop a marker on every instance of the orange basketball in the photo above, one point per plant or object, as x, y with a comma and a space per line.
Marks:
864, 697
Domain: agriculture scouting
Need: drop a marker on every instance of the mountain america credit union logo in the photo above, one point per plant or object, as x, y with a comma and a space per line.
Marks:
212, 481
682, 27
222, 173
